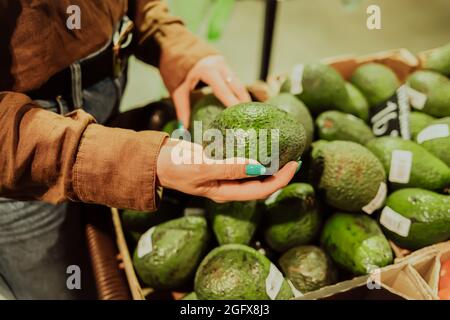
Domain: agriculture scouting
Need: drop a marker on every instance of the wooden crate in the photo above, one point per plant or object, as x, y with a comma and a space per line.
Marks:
135, 287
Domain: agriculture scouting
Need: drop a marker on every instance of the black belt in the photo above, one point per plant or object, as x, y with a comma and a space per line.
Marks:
93, 70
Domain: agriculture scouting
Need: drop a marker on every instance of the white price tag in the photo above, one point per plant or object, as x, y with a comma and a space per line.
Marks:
272, 198
395, 222
401, 164
296, 79
294, 290
274, 281
416, 99
378, 201
189, 212
434, 131
145, 245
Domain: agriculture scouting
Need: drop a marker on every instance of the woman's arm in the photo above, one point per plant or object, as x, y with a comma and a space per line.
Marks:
48, 157
164, 42
182, 58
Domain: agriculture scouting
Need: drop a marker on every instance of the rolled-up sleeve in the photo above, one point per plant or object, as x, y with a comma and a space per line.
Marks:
48, 157
164, 42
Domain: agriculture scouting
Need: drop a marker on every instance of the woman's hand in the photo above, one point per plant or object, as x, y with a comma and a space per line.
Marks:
213, 71
183, 166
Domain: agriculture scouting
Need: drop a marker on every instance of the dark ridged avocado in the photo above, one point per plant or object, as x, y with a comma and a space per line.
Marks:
348, 175
238, 272
308, 268
247, 119
292, 217
233, 222
167, 255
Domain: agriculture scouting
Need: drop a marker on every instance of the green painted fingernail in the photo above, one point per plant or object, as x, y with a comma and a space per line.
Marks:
180, 125
254, 169
299, 166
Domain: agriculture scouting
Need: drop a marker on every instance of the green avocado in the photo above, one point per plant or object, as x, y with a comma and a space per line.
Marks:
308, 268
355, 104
292, 217
440, 145
418, 121
167, 255
233, 222
439, 60
425, 80
292, 105
205, 111
348, 175
238, 272
428, 214
170, 126
322, 87
376, 81
190, 296
336, 125
248, 120
355, 243
436, 88
427, 171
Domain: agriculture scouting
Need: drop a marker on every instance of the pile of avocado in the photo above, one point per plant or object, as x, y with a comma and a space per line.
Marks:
354, 194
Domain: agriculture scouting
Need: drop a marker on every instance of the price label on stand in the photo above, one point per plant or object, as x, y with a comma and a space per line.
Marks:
391, 118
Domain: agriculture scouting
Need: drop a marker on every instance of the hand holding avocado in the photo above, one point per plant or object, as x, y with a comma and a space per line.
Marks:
213, 71
218, 180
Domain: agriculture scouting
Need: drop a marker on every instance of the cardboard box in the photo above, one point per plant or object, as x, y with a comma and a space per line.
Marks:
401, 61
427, 263
395, 282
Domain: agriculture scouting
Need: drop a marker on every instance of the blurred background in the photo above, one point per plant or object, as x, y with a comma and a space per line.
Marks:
305, 31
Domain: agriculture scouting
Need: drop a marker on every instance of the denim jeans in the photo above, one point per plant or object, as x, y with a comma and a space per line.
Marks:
39, 241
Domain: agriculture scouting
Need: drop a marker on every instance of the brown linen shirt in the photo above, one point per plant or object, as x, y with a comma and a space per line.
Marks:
52, 158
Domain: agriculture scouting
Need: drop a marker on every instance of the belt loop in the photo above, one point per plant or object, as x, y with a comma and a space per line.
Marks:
77, 87
60, 105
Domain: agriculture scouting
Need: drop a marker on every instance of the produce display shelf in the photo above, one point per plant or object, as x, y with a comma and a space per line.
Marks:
414, 275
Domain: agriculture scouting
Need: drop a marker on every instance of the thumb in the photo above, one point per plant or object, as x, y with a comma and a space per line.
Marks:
181, 100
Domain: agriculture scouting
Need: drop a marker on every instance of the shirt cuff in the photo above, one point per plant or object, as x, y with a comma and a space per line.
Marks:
117, 168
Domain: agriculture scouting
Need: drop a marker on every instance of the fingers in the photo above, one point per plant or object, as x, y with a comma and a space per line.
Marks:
181, 101
215, 73
236, 85
221, 89
253, 189
230, 169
